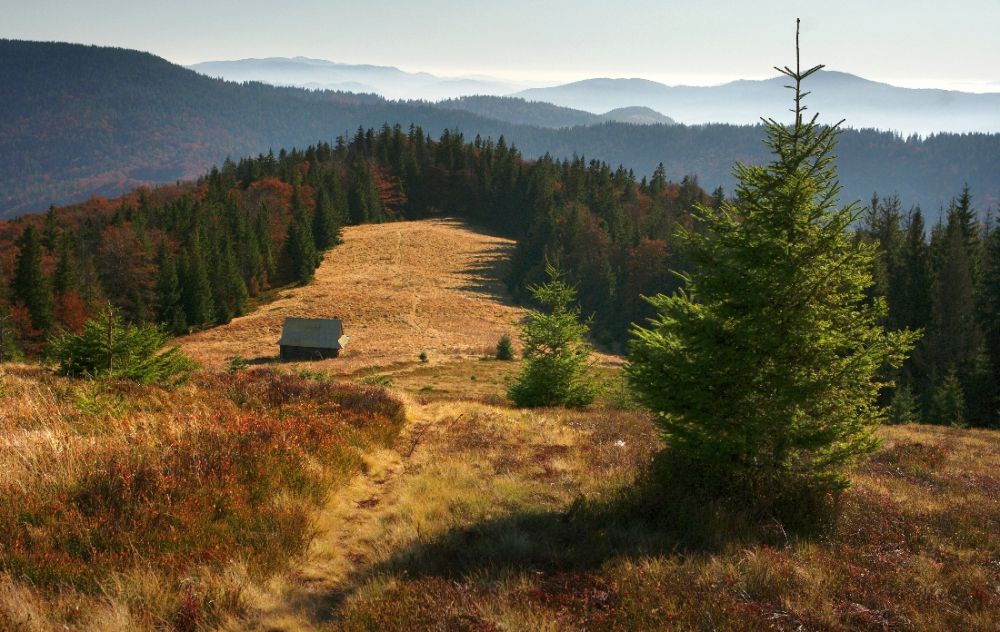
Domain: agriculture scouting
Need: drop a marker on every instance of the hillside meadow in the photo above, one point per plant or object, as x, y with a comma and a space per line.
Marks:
379, 492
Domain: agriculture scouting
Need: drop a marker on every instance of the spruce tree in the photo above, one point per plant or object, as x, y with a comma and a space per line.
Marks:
230, 293
108, 347
299, 254
555, 356
764, 369
904, 407
265, 246
29, 286
50, 230
169, 299
989, 307
955, 340
326, 226
199, 306
949, 401
65, 276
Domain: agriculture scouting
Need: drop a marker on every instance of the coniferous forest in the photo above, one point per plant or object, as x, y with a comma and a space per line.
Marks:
195, 255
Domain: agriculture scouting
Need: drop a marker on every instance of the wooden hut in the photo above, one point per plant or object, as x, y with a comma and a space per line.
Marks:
312, 338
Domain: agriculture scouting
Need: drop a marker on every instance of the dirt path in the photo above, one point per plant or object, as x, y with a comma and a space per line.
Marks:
349, 532
401, 288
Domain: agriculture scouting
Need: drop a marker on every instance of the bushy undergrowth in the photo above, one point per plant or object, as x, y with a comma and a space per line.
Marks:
223, 471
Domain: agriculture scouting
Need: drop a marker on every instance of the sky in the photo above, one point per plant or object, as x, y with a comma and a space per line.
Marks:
913, 43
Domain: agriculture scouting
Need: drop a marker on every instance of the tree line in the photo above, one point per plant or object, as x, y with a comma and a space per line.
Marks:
944, 281
195, 255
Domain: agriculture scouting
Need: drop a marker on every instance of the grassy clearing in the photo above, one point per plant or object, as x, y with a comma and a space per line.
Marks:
130, 507
401, 288
515, 520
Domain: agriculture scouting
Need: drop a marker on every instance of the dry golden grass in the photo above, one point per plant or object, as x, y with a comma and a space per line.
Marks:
400, 288
458, 465
125, 507
491, 518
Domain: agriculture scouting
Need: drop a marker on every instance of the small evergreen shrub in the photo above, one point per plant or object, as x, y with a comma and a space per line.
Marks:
949, 401
108, 347
505, 349
423, 357
237, 363
904, 407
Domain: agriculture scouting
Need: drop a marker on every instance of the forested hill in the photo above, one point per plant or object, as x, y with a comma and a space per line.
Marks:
541, 114
190, 255
80, 121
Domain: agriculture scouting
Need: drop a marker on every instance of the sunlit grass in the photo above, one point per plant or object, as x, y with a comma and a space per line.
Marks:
129, 507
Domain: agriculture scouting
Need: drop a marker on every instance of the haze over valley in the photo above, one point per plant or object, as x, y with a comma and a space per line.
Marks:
861, 102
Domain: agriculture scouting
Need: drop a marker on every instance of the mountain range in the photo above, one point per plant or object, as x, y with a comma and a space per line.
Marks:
86, 120
863, 103
320, 74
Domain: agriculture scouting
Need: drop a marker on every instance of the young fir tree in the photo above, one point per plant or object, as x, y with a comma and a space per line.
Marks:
29, 286
904, 407
108, 347
505, 349
555, 358
949, 401
764, 369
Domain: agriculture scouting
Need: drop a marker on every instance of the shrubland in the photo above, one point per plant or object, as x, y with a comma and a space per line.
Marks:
125, 506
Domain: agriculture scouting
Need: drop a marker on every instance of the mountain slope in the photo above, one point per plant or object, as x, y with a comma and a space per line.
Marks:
83, 121
862, 102
400, 288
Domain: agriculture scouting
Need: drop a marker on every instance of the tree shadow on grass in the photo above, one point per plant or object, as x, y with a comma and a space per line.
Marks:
648, 519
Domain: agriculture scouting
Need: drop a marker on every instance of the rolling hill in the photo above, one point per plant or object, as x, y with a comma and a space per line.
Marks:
82, 121
541, 114
864, 103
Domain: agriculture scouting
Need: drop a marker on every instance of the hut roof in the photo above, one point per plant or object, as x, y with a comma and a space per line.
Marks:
318, 333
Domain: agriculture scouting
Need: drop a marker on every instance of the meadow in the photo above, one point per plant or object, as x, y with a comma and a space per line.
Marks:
379, 492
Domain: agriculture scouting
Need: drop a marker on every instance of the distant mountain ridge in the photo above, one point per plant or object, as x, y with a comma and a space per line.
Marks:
863, 103
520, 111
320, 74
87, 120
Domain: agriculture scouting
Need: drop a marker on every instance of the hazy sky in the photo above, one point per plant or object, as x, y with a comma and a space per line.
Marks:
916, 43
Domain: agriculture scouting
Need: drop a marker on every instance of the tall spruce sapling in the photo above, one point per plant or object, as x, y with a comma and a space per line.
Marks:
765, 368
555, 366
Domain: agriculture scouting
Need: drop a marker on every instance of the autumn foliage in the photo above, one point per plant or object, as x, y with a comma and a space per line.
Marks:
183, 482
